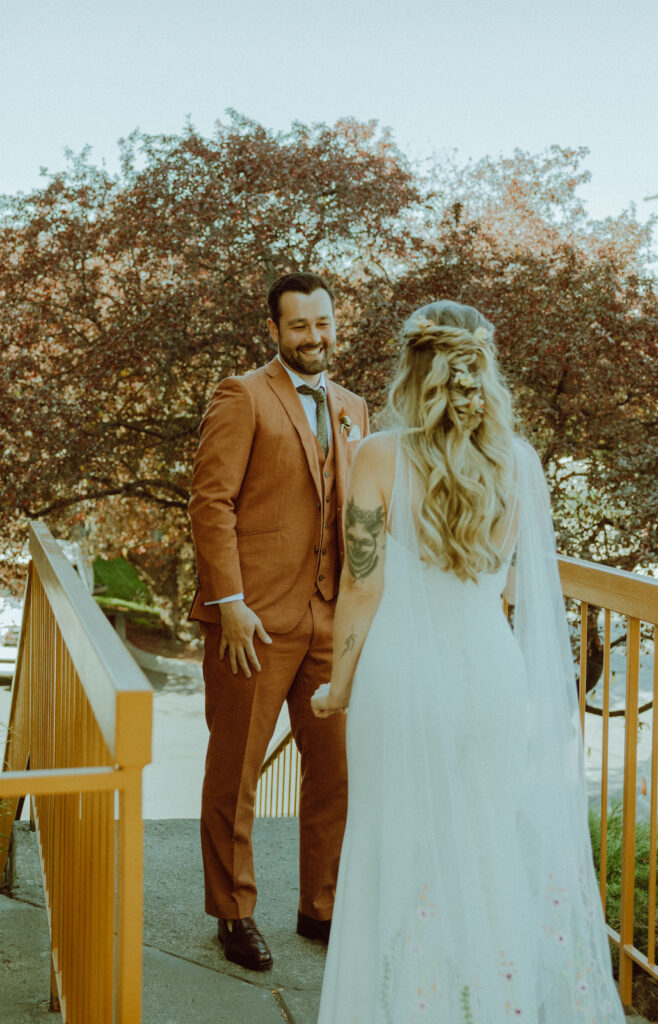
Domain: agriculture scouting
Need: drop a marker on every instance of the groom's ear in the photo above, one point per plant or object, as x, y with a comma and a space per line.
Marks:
273, 329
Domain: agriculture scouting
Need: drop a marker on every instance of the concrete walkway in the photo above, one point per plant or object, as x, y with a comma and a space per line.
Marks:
186, 977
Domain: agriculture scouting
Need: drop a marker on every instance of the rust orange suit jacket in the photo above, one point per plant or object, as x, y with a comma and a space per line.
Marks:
257, 495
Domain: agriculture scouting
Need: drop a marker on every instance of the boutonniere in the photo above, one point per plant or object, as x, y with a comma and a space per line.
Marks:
352, 430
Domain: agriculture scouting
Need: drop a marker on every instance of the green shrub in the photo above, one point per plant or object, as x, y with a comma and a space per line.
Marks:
613, 871
121, 580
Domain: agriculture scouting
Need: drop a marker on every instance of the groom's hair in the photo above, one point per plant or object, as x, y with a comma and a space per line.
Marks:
301, 282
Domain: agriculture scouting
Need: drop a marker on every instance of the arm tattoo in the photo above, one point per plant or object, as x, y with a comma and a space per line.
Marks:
362, 527
349, 643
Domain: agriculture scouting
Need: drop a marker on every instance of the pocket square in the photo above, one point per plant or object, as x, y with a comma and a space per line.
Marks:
355, 433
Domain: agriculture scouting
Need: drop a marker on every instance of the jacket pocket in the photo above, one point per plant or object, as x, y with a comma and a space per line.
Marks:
257, 532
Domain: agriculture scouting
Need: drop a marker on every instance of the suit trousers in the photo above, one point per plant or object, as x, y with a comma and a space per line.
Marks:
241, 714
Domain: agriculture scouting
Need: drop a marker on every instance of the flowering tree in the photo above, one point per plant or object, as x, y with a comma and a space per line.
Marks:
125, 299
576, 315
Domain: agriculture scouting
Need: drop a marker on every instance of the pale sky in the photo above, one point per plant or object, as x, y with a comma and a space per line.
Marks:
477, 76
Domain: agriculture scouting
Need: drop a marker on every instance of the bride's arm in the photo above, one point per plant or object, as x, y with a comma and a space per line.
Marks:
362, 578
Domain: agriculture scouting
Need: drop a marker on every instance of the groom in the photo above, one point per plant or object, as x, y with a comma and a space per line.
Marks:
270, 477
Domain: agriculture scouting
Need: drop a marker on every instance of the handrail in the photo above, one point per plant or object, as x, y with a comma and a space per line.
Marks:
111, 676
278, 743
605, 587
80, 733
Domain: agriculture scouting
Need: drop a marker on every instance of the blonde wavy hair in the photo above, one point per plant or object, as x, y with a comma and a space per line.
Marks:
457, 429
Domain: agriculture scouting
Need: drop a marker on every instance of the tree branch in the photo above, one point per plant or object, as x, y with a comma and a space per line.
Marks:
138, 489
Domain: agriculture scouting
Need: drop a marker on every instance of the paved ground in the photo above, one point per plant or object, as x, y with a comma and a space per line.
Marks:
186, 978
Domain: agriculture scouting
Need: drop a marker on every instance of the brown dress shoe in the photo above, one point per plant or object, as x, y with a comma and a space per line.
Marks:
244, 944
310, 928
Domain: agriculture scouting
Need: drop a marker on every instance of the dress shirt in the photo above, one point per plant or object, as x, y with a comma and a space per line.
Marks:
308, 402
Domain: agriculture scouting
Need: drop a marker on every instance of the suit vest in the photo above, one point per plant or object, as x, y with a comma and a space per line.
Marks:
327, 571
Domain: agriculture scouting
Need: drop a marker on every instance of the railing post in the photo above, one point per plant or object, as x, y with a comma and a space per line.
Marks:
7, 877
130, 900
603, 850
54, 1005
582, 686
628, 832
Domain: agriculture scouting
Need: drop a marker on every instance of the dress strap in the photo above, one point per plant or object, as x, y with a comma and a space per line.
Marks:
400, 520
510, 539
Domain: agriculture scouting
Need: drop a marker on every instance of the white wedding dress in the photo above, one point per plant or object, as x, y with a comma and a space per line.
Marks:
466, 892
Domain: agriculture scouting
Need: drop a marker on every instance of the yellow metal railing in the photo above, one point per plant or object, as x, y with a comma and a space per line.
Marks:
277, 793
635, 598
79, 735
613, 591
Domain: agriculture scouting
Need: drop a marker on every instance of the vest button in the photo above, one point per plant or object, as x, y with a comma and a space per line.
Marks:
324, 551
319, 505
320, 578
316, 549
328, 499
326, 474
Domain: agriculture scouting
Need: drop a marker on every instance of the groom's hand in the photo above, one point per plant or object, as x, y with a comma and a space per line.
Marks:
239, 624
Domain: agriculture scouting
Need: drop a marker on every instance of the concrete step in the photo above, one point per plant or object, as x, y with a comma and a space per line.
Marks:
187, 980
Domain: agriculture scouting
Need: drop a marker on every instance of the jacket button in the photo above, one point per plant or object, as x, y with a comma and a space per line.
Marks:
326, 474
324, 551
328, 499
320, 578
316, 549
319, 505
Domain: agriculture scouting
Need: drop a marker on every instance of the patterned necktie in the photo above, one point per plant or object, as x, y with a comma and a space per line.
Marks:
320, 398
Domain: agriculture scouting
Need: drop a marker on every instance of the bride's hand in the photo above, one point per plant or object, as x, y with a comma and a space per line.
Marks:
323, 705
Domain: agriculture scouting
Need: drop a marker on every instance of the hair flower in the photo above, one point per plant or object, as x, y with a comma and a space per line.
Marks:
476, 404
481, 334
464, 380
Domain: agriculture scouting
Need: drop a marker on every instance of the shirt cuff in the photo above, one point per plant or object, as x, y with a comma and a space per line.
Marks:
223, 600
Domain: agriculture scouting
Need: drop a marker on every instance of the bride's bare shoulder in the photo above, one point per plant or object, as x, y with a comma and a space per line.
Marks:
375, 459
381, 445
377, 452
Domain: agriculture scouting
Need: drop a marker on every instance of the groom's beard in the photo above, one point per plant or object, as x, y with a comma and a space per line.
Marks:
308, 362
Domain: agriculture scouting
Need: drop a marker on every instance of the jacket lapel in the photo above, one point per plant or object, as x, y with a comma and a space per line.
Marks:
284, 389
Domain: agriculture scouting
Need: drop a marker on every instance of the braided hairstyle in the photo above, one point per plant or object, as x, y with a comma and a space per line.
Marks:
457, 429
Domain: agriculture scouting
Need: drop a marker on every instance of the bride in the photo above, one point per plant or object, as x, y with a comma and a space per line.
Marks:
466, 892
